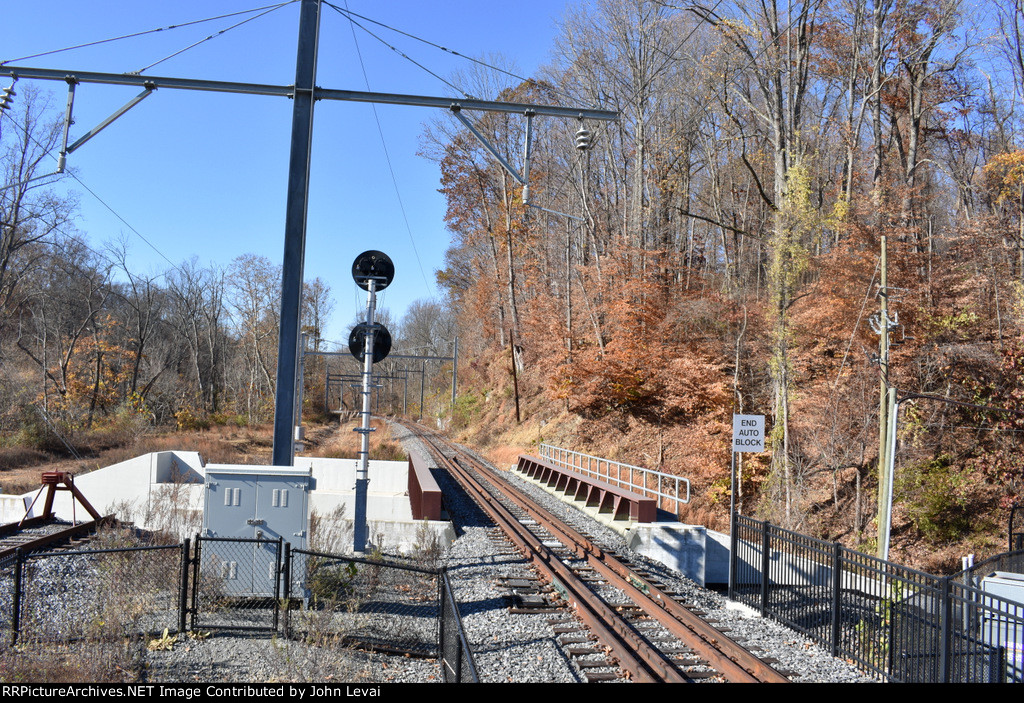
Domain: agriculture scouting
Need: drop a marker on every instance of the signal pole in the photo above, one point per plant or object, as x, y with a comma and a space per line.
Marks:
372, 271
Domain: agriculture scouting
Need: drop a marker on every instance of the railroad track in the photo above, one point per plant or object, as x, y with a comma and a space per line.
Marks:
36, 534
651, 638
44, 531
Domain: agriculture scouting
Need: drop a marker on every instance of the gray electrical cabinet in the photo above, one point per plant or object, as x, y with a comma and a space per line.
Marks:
1003, 620
247, 510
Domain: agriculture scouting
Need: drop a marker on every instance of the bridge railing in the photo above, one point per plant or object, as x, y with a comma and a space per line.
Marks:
672, 490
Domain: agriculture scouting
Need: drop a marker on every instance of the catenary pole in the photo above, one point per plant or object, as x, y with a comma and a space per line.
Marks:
295, 232
304, 93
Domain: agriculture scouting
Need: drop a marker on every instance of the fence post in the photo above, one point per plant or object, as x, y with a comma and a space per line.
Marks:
196, 558
733, 558
947, 631
765, 547
278, 569
183, 585
837, 600
16, 615
442, 589
286, 574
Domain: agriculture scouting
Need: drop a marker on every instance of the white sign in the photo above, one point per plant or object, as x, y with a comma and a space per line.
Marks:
748, 433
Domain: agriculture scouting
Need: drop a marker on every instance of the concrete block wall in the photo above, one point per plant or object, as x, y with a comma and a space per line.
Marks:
165, 491
12, 508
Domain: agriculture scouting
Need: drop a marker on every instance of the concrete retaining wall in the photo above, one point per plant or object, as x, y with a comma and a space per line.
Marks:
164, 491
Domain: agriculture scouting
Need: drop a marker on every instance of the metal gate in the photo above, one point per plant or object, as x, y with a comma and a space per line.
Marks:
236, 583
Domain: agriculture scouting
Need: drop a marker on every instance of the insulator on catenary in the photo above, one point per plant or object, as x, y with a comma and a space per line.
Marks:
7, 97
583, 139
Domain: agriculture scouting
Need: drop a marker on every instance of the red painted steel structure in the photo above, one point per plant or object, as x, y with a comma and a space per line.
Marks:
606, 498
424, 493
51, 481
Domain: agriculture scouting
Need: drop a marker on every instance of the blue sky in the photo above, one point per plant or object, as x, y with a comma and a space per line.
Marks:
204, 174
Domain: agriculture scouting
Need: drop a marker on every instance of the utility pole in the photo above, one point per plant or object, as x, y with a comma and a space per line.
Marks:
887, 408
883, 400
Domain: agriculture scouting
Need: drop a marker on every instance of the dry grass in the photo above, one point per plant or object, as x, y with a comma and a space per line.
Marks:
21, 468
345, 443
78, 662
19, 457
503, 456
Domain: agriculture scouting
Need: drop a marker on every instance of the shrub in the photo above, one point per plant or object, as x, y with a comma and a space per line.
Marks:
189, 419
937, 495
467, 407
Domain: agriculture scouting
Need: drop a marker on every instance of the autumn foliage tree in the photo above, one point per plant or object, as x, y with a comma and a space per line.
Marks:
726, 255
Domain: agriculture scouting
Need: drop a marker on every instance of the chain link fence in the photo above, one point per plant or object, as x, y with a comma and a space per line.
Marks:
95, 611
85, 615
457, 665
377, 604
236, 583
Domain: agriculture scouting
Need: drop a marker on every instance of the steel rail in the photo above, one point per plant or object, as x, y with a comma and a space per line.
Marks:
727, 657
724, 655
643, 662
8, 553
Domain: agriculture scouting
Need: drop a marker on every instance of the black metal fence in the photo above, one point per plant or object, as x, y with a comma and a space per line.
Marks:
457, 664
898, 623
236, 583
86, 615
123, 597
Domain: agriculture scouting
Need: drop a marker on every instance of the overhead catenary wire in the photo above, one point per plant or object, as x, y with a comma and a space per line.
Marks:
435, 45
387, 158
49, 152
213, 36
145, 32
264, 10
406, 56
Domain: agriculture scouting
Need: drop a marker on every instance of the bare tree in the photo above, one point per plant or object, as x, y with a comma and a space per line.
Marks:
30, 212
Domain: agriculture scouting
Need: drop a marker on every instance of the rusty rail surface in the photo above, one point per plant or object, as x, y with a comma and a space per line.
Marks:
10, 542
636, 655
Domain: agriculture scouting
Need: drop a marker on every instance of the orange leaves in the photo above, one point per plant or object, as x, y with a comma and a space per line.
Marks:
644, 367
1004, 175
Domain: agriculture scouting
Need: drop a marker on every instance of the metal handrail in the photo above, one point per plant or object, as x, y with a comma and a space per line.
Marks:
636, 477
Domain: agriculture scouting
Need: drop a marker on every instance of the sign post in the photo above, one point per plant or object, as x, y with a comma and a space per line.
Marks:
747, 436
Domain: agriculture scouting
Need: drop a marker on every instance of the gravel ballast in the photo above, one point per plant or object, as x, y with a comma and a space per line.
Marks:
507, 647
524, 648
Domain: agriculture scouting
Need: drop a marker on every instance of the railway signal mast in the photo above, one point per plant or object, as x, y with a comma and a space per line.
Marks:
369, 342
304, 93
